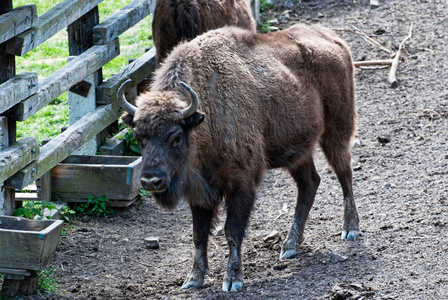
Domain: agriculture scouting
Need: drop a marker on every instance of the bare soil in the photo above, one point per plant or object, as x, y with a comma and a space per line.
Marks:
400, 161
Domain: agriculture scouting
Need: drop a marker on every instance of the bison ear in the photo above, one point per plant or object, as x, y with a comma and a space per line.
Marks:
194, 120
128, 119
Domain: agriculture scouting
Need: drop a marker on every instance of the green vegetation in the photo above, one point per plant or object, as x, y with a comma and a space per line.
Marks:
53, 54
33, 209
94, 206
46, 281
131, 146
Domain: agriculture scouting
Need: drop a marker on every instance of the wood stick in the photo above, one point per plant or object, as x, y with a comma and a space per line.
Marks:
394, 66
368, 39
364, 63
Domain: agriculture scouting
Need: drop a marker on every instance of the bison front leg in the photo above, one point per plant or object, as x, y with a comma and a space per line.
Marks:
307, 181
202, 220
239, 205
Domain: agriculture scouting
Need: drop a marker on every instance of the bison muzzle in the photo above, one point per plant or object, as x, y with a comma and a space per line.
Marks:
230, 104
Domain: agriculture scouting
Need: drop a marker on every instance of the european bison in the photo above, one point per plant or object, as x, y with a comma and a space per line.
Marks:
256, 102
177, 20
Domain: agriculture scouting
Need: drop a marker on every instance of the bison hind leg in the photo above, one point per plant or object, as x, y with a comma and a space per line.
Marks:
337, 152
307, 179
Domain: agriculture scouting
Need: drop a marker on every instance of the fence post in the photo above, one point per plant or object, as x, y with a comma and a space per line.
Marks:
7, 127
81, 97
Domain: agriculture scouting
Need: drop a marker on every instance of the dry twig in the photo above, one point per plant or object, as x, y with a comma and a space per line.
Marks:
368, 63
368, 39
394, 66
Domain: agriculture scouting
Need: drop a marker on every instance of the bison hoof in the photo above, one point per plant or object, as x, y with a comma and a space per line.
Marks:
288, 254
190, 284
231, 286
351, 235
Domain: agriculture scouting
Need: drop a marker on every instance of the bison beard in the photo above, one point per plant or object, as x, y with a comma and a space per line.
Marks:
269, 100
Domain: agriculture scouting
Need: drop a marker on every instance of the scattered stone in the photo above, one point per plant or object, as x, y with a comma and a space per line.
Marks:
335, 258
383, 140
285, 17
85, 219
152, 242
320, 15
289, 3
273, 22
220, 231
272, 237
280, 267
357, 143
387, 185
374, 4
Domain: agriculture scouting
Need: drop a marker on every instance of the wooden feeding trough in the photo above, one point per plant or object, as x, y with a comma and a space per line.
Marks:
25, 247
115, 177
27, 244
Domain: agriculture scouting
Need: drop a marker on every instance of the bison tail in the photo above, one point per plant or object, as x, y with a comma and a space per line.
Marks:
187, 18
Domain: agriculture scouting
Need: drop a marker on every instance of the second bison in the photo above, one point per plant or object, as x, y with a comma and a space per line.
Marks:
230, 104
181, 20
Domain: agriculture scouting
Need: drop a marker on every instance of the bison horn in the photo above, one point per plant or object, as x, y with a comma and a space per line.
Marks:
125, 105
191, 109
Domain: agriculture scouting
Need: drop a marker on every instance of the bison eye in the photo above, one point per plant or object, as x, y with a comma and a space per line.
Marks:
177, 141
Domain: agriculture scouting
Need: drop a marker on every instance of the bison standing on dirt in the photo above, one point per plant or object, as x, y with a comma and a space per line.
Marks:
177, 20
230, 104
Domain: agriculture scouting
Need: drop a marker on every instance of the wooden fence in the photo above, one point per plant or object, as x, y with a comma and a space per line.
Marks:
91, 46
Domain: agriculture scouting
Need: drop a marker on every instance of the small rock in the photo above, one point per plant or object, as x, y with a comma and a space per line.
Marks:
383, 140
85, 219
387, 185
272, 237
280, 267
152, 242
335, 258
288, 3
357, 143
273, 22
285, 17
320, 15
219, 231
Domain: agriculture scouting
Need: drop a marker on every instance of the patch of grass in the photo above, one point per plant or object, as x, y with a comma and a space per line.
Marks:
53, 54
46, 281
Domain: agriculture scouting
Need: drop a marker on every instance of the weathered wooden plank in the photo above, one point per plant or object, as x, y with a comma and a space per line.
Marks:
137, 71
50, 23
16, 21
61, 80
15, 272
17, 89
115, 145
9, 128
17, 156
64, 144
122, 20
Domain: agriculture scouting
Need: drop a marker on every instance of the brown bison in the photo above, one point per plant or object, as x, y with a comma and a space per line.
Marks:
177, 20
230, 104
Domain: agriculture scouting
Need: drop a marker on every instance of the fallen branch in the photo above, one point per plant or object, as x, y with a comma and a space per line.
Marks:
365, 63
368, 39
393, 69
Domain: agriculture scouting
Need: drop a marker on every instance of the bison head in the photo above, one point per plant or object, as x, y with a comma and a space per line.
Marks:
162, 127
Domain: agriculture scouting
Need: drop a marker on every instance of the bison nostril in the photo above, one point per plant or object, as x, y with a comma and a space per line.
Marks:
153, 184
157, 183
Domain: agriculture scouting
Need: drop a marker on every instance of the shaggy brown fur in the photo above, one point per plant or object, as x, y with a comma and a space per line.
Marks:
178, 20
268, 100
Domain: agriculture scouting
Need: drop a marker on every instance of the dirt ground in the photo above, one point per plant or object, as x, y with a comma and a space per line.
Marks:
400, 161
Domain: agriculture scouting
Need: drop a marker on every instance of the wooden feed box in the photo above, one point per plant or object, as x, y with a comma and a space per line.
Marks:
115, 177
28, 244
